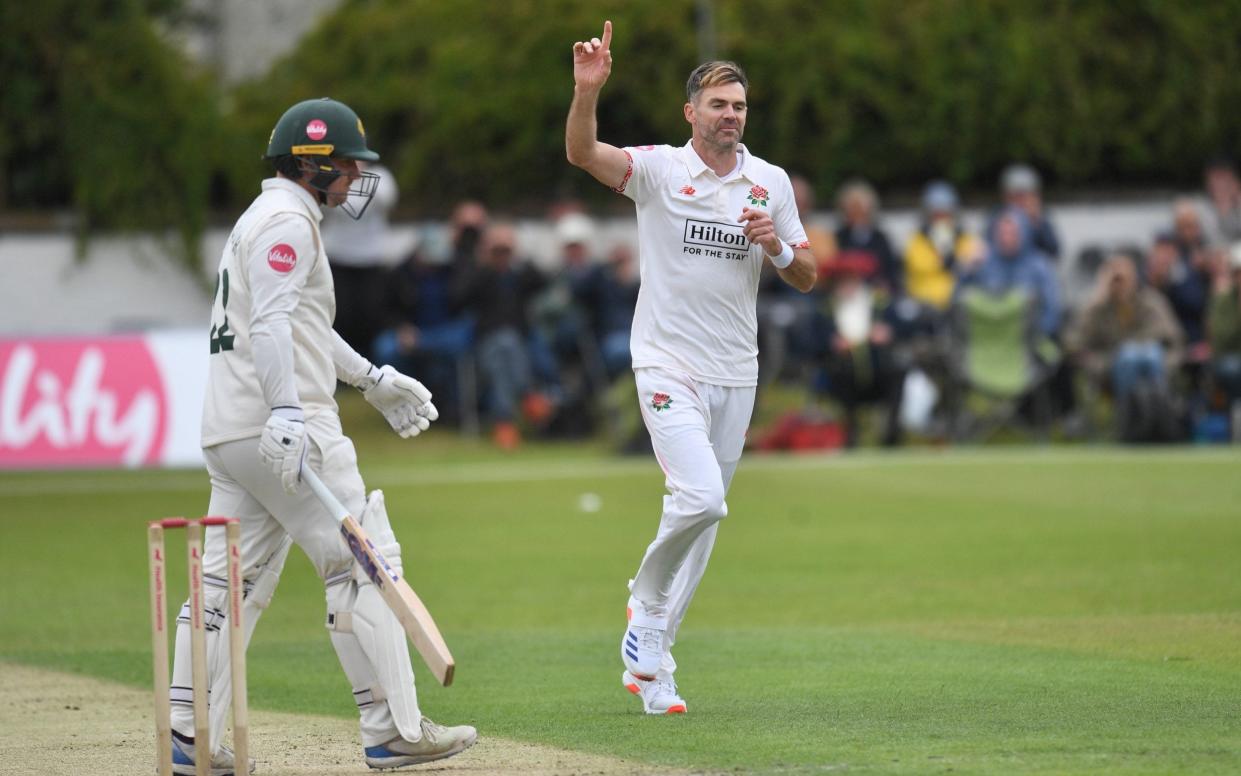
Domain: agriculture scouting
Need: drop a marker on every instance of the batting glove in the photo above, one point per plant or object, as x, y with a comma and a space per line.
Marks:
404, 402
282, 446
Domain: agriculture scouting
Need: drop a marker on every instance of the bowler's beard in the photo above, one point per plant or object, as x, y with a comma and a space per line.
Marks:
716, 138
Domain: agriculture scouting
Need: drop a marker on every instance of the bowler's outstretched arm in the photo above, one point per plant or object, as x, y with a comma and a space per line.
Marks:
592, 64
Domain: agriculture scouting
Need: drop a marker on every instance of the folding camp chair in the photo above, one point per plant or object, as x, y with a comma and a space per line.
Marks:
997, 367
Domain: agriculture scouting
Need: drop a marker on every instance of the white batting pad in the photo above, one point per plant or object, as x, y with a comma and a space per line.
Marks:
219, 661
370, 645
374, 520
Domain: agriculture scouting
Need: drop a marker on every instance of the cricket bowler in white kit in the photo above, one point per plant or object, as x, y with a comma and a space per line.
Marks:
709, 214
269, 412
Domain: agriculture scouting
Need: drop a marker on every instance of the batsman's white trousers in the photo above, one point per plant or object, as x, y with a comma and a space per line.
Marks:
242, 486
698, 432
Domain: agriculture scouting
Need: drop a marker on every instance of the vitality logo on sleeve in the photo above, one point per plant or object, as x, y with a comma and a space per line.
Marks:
282, 258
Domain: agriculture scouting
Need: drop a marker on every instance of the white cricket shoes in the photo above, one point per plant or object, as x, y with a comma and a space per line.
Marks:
438, 742
658, 697
642, 646
223, 764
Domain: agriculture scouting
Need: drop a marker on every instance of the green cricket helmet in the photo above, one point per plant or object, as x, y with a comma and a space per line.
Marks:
322, 127
306, 138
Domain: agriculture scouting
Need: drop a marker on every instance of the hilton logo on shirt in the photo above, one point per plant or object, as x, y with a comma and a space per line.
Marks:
719, 240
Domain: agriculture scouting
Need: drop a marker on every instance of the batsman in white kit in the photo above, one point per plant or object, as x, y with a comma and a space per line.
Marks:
269, 412
709, 214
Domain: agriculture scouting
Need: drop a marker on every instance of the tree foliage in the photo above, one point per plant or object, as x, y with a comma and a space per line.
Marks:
470, 98
101, 113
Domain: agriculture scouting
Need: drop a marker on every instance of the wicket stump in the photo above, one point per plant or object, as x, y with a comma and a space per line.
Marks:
198, 642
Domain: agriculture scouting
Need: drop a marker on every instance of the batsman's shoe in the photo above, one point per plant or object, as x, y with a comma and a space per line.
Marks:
437, 743
658, 697
642, 646
222, 764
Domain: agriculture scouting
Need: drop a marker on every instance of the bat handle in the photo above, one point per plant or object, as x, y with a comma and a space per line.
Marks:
329, 501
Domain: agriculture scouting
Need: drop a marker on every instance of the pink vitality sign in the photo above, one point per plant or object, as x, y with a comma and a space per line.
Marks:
97, 401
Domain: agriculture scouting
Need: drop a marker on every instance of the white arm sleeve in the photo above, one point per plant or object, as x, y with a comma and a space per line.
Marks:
351, 366
278, 263
273, 360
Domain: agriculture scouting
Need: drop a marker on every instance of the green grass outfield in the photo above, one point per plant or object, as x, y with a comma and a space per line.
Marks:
988, 611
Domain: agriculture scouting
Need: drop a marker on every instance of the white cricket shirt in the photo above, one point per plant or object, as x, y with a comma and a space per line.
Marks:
696, 304
273, 273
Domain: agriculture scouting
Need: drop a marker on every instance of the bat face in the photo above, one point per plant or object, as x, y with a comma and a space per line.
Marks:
372, 561
402, 600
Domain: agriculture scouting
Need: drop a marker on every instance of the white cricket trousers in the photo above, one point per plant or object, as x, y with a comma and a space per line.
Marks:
698, 432
242, 486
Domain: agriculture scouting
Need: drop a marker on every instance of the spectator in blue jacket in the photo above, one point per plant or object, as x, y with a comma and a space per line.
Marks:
1180, 268
1013, 261
1022, 188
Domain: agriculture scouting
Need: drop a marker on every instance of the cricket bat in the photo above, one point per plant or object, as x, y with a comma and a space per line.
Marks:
396, 592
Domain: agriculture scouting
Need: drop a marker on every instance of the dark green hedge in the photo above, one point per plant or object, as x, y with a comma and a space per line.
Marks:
468, 98
101, 113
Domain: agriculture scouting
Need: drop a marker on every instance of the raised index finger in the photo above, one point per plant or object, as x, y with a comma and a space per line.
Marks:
607, 34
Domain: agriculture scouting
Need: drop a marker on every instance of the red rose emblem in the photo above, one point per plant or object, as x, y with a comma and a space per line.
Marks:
661, 401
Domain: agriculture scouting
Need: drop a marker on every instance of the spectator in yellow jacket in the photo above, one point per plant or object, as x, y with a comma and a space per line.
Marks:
939, 248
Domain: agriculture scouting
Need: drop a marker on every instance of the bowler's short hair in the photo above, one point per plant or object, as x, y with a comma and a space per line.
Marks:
716, 73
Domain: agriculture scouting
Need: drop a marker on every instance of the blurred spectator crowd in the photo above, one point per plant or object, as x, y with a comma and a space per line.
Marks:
954, 335
507, 344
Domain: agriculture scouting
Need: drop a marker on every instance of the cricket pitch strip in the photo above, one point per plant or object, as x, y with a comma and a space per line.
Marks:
60, 724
